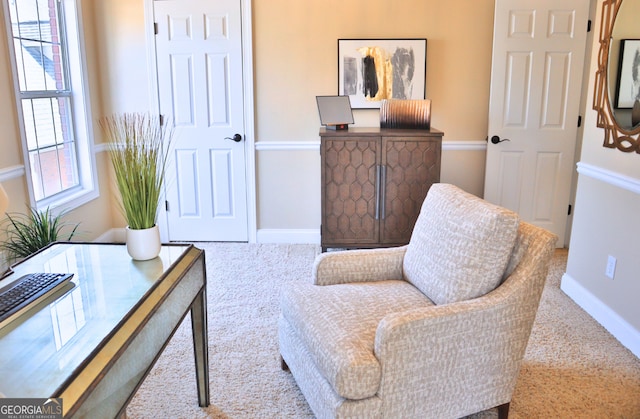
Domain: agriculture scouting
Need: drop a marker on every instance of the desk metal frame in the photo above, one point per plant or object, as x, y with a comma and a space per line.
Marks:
105, 381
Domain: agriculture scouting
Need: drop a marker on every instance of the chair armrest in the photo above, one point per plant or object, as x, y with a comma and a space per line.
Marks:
475, 346
454, 329
358, 266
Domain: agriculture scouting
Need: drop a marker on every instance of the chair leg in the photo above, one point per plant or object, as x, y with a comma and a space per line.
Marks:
283, 364
503, 411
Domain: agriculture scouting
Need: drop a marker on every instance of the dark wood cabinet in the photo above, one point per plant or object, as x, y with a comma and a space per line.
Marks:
374, 181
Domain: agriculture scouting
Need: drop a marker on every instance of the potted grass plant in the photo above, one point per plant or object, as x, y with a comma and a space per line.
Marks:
26, 233
138, 147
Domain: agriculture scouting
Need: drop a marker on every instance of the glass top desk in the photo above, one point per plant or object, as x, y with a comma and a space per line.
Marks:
93, 345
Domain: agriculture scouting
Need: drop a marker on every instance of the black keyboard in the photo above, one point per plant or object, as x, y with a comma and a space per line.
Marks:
28, 289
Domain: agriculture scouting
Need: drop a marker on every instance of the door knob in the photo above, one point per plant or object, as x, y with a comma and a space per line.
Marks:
237, 138
495, 139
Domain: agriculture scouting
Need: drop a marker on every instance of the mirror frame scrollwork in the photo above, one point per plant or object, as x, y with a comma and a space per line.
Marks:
615, 136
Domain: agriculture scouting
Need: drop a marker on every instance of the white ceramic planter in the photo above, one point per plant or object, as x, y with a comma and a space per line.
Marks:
143, 244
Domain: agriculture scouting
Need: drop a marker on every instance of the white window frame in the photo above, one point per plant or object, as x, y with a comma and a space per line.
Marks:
87, 188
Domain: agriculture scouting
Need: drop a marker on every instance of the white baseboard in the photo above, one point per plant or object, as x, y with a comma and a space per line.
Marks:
610, 320
267, 235
289, 236
115, 235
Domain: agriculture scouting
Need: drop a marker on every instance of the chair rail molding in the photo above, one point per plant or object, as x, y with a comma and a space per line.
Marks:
472, 145
100, 148
11, 172
613, 178
287, 145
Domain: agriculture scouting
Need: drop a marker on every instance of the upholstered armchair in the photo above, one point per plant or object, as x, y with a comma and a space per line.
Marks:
434, 329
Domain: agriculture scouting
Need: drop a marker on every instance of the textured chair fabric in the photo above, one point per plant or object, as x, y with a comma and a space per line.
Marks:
341, 344
362, 341
460, 245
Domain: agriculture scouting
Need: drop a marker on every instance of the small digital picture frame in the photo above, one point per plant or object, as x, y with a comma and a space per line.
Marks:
335, 111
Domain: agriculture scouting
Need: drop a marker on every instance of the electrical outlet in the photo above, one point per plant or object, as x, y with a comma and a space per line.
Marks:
611, 267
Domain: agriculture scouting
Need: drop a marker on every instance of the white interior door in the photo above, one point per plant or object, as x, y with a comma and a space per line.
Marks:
536, 82
199, 65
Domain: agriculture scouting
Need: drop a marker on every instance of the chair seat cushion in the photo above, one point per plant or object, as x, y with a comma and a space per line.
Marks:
338, 325
460, 245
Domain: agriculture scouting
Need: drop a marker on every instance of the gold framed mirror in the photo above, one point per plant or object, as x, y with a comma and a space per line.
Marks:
618, 133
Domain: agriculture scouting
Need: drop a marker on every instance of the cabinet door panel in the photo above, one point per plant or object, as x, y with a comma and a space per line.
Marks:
349, 190
412, 165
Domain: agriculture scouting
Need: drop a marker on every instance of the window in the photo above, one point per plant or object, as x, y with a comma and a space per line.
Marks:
52, 100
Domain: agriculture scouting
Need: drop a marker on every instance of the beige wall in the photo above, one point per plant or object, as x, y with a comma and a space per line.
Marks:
295, 59
11, 154
605, 223
122, 56
295, 50
10, 138
122, 79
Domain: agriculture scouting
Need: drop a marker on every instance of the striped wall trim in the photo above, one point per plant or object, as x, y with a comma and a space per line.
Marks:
610, 177
315, 145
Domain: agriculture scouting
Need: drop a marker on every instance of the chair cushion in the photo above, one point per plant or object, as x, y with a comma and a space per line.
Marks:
338, 323
460, 245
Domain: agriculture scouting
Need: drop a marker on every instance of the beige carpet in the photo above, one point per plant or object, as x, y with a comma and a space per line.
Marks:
573, 368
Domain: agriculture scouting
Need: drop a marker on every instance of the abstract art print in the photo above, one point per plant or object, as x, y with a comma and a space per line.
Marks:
628, 87
370, 70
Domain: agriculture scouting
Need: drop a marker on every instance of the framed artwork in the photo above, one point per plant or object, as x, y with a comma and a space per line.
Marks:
628, 87
370, 70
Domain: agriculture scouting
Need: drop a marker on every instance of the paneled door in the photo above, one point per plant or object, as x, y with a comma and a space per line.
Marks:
536, 82
200, 87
